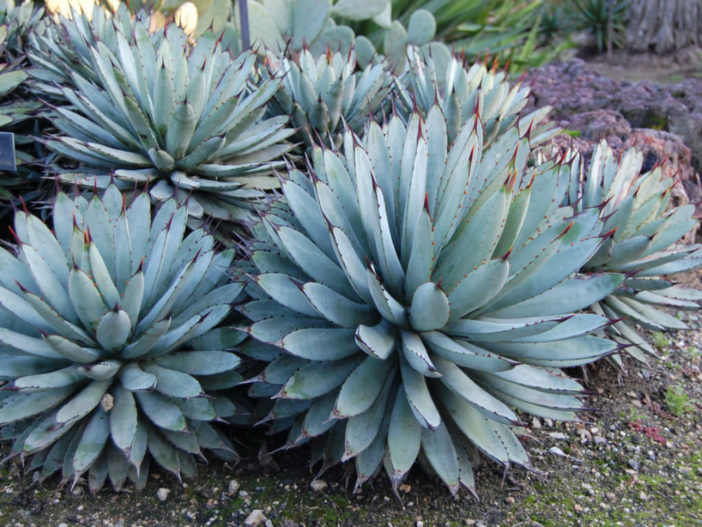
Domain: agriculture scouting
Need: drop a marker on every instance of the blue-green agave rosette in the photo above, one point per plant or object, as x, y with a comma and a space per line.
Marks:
643, 240
414, 292
153, 110
111, 340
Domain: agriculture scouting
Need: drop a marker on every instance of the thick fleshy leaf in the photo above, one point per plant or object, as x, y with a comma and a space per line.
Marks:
163, 412
123, 418
430, 308
439, 449
378, 341
83, 402
200, 362
92, 441
321, 344
318, 378
362, 387
419, 398
404, 437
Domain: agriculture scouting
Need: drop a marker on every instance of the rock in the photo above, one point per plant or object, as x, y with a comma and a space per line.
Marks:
255, 518
62, 525
601, 124
634, 464
318, 485
233, 487
405, 488
599, 440
578, 508
509, 500
107, 402
162, 494
557, 435
268, 523
535, 423
557, 451
419, 523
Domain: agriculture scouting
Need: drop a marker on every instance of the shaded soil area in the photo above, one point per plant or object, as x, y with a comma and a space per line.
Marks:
636, 460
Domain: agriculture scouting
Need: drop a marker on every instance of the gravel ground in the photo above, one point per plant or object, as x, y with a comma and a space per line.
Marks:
634, 461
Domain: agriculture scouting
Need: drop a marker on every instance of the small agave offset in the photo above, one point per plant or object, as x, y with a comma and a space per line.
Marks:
436, 77
324, 94
111, 341
414, 291
641, 237
177, 117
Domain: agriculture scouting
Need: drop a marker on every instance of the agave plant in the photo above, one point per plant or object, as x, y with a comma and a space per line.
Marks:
415, 290
322, 94
19, 112
294, 24
63, 48
175, 116
439, 77
641, 233
111, 340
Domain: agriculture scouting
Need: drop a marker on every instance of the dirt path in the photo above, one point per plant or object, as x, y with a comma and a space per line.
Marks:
663, 69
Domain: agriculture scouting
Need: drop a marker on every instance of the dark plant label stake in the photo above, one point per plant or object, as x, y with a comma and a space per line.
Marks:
7, 152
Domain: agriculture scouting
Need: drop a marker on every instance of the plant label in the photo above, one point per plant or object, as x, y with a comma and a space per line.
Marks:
7, 152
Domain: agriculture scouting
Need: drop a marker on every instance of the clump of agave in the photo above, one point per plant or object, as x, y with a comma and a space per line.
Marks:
641, 236
414, 292
111, 340
18, 111
62, 49
437, 77
176, 117
321, 94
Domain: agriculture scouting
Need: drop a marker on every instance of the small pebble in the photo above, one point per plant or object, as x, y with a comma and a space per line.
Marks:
557, 435
420, 523
405, 488
557, 451
634, 464
233, 487
535, 423
578, 508
255, 518
162, 494
318, 485
509, 500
